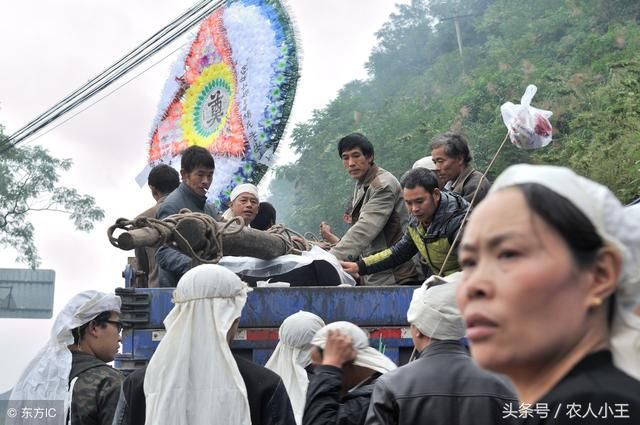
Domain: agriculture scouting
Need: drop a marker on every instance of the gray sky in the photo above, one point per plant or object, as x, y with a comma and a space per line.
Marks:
49, 48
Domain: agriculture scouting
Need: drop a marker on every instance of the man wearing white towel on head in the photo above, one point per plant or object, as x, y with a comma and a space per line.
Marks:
346, 368
443, 386
292, 358
244, 202
193, 378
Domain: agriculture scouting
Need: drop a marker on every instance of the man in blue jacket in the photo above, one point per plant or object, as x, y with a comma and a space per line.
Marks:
196, 171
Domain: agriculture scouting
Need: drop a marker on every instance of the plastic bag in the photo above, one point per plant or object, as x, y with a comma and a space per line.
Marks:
529, 127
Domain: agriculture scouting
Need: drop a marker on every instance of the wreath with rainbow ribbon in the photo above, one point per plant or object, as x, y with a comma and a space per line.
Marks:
230, 92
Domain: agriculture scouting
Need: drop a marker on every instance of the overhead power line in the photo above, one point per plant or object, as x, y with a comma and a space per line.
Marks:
113, 73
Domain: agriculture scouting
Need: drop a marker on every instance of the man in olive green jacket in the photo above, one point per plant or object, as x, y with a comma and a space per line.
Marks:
379, 215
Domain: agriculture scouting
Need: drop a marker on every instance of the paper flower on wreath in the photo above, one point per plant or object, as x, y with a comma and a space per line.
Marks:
230, 92
529, 127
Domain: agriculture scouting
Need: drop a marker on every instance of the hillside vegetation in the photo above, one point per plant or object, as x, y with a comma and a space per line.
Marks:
584, 56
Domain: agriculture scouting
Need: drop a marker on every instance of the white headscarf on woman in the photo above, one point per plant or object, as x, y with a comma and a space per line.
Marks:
46, 377
291, 356
367, 356
618, 226
193, 379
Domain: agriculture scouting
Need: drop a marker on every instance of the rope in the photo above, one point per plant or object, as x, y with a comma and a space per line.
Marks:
214, 231
466, 214
211, 253
295, 243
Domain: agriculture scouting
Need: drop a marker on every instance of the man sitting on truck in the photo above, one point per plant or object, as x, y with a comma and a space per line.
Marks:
163, 179
345, 370
196, 170
243, 202
436, 218
452, 158
193, 378
378, 214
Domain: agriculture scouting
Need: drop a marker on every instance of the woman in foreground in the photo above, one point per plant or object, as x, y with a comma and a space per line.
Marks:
550, 261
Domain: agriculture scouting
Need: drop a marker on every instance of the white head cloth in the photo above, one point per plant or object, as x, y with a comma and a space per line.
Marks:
46, 377
291, 356
237, 191
434, 310
192, 379
426, 162
618, 226
367, 356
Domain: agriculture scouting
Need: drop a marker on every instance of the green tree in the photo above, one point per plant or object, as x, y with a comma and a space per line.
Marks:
29, 183
583, 55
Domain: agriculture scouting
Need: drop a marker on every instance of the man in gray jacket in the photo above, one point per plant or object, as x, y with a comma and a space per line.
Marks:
443, 386
452, 158
196, 170
379, 215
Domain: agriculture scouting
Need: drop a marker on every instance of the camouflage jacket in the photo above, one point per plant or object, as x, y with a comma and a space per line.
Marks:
95, 392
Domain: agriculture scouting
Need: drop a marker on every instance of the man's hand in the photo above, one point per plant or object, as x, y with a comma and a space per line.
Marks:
325, 233
338, 350
349, 267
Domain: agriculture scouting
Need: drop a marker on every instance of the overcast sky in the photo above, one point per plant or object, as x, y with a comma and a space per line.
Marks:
49, 48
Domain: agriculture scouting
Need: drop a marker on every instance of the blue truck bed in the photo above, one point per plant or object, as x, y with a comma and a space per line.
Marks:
381, 311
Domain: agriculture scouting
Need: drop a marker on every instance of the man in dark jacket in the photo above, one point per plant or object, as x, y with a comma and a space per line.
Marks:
451, 156
443, 386
84, 338
345, 370
197, 168
436, 218
162, 180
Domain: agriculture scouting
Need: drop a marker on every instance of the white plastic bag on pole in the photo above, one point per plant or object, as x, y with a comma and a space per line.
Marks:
529, 127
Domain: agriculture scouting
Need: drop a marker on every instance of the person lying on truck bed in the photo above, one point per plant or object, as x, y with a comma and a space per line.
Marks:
292, 359
196, 170
243, 202
84, 338
378, 214
436, 218
193, 378
345, 370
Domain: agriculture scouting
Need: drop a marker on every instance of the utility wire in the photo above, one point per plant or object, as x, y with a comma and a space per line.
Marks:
124, 65
100, 99
157, 37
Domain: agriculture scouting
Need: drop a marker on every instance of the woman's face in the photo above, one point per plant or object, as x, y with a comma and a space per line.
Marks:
523, 300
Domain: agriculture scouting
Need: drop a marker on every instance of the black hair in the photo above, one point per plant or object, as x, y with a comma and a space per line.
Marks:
419, 177
164, 178
194, 157
265, 218
100, 319
566, 219
353, 141
455, 145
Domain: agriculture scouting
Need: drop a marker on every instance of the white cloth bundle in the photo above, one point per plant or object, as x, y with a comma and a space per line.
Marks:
618, 226
193, 379
291, 356
433, 310
367, 356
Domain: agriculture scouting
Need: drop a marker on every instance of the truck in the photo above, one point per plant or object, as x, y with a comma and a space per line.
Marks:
379, 311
